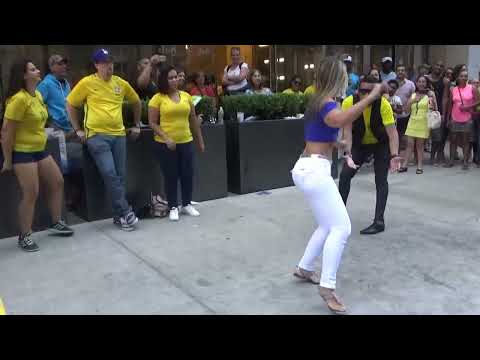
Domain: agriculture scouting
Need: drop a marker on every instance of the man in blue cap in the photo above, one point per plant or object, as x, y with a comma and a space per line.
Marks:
353, 79
104, 132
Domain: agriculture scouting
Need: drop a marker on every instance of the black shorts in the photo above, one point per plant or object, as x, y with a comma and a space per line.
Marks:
19, 157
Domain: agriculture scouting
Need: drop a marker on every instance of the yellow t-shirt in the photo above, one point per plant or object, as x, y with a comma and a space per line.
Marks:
311, 90
104, 100
30, 114
291, 92
385, 111
174, 117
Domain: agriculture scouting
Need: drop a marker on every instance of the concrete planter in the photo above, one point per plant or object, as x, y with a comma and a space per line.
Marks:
144, 175
261, 153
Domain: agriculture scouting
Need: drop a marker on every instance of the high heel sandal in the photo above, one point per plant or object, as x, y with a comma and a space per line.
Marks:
309, 276
332, 301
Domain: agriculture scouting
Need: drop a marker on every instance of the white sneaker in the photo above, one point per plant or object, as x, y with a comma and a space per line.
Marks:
174, 214
190, 210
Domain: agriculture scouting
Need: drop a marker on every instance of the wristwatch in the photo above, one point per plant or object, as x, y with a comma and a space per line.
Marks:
393, 156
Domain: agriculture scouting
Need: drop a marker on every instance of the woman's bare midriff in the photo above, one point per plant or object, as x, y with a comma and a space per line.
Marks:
324, 149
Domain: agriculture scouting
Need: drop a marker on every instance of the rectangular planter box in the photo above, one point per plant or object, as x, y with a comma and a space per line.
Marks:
144, 175
261, 153
11, 195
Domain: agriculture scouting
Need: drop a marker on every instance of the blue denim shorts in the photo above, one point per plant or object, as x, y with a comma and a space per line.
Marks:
19, 157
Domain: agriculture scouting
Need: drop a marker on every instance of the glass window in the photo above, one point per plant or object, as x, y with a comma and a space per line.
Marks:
293, 60
377, 52
355, 51
263, 61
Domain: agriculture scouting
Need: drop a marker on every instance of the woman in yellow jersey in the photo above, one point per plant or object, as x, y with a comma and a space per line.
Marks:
172, 117
295, 86
23, 145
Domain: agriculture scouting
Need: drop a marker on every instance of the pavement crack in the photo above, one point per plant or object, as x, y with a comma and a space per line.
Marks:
431, 280
159, 272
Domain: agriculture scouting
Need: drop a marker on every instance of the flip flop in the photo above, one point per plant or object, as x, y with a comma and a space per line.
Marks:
419, 171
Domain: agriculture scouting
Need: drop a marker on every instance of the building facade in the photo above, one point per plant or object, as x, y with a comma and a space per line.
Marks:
278, 63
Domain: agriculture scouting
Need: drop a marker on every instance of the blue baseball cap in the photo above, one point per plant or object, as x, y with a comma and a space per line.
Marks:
102, 56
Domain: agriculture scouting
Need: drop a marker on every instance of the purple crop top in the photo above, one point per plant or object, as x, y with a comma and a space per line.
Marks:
316, 130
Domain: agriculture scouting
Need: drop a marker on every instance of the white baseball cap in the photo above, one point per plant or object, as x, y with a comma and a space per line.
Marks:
347, 58
387, 58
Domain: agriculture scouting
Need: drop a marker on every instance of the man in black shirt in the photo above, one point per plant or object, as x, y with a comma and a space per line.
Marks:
441, 89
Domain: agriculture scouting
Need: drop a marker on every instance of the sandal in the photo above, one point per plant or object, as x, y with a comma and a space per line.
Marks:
465, 167
419, 171
309, 276
403, 169
332, 301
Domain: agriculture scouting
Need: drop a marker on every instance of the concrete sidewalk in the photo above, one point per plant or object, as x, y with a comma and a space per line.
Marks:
238, 257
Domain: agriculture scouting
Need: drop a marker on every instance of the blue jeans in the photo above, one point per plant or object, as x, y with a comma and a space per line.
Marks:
110, 156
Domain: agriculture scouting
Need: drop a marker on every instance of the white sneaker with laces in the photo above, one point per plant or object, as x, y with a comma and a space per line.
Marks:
190, 210
174, 214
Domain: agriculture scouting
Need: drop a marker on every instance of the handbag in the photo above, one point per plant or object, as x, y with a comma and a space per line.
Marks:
434, 119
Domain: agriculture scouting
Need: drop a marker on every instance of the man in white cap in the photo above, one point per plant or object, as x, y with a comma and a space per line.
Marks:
387, 73
353, 79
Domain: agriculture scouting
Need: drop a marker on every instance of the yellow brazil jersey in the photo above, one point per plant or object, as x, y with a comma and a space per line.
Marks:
291, 92
174, 117
103, 103
385, 111
30, 114
311, 90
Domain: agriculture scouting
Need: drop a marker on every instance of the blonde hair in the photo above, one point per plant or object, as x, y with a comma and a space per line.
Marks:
332, 81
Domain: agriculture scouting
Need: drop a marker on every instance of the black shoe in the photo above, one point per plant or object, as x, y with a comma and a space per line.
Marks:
60, 228
375, 228
27, 244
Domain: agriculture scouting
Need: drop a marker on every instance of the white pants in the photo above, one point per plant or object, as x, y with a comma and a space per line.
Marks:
313, 176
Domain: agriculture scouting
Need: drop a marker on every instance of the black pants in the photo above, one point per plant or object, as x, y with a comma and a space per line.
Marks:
176, 165
476, 139
381, 155
402, 124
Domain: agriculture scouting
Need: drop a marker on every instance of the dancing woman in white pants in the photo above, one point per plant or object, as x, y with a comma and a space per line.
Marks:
312, 175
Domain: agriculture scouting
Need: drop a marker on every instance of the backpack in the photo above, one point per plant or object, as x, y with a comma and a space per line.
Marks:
239, 66
157, 207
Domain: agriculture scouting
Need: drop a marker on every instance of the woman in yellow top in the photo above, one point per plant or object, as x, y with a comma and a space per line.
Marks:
295, 86
172, 117
417, 130
23, 145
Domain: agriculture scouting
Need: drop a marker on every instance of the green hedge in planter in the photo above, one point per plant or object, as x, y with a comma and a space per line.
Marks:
205, 108
276, 106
